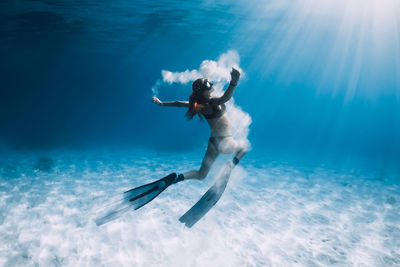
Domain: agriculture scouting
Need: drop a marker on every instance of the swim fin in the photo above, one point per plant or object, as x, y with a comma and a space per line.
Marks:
209, 199
137, 197
140, 196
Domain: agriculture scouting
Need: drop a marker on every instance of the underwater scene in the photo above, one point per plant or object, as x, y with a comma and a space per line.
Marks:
200, 133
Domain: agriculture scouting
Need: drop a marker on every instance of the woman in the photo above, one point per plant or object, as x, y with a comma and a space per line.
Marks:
213, 109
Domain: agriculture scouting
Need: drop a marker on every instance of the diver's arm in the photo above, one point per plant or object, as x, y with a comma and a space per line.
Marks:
227, 95
235, 74
183, 104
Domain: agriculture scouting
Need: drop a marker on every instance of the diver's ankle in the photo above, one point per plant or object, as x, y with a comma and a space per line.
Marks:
179, 178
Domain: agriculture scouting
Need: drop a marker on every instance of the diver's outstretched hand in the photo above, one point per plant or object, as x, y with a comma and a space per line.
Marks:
235, 74
156, 100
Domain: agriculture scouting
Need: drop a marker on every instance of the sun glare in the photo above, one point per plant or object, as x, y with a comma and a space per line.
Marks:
348, 47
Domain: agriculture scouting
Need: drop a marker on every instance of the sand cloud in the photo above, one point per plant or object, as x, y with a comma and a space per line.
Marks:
219, 73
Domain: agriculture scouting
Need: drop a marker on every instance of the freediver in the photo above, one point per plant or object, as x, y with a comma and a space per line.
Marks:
200, 103
213, 109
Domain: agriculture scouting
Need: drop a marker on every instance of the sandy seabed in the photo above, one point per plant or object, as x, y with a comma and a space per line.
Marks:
271, 214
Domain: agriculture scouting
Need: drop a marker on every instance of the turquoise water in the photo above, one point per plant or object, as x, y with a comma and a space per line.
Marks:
318, 101
320, 77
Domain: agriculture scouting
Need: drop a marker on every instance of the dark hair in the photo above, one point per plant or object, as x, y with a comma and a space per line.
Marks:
197, 99
197, 85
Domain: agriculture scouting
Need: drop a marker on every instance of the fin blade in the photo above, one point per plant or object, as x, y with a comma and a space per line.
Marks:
195, 213
111, 215
208, 200
132, 199
152, 194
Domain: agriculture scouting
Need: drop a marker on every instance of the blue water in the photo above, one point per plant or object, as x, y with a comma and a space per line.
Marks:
320, 81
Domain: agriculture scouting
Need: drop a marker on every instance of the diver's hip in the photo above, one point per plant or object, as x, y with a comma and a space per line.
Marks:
224, 144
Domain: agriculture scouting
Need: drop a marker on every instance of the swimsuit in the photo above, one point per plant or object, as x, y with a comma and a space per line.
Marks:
217, 111
224, 144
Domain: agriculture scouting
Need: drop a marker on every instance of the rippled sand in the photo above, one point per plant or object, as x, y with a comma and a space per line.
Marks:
270, 214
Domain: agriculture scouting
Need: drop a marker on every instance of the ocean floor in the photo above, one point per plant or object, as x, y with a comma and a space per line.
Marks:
271, 214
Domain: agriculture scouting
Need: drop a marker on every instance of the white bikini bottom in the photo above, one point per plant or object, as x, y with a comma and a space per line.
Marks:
225, 144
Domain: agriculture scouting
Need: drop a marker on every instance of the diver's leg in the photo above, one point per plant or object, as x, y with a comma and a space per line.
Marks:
239, 155
208, 160
229, 145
